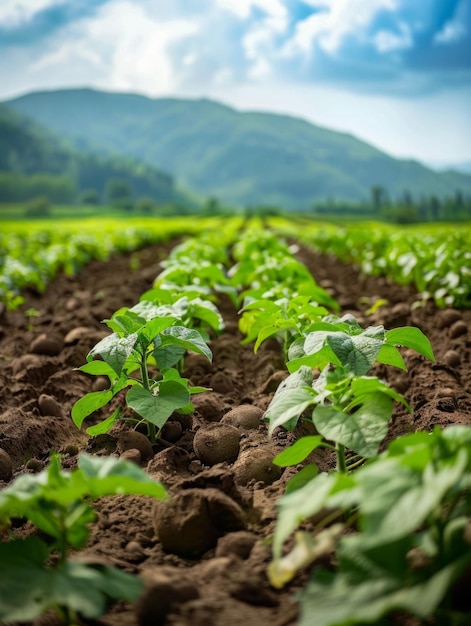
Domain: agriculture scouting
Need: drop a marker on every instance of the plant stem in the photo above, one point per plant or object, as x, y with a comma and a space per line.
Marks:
146, 384
341, 462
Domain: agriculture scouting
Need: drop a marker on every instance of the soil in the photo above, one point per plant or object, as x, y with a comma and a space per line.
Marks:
203, 556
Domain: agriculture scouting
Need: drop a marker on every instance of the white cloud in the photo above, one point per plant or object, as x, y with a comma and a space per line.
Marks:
126, 41
336, 20
451, 32
14, 13
243, 8
387, 41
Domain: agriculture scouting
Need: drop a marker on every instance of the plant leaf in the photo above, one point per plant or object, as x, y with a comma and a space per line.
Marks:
361, 431
115, 350
90, 403
411, 337
292, 397
188, 338
28, 587
158, 408
298, 451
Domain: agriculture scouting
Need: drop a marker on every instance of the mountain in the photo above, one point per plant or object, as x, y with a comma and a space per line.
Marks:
39, 159
242, 158
462, 166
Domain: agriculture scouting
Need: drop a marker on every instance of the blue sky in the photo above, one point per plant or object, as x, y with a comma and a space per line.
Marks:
396, 73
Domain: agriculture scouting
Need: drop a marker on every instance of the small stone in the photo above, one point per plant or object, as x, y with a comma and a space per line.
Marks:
256, 465
452, 358
132, 455
216, 443
171, 431
76, 334
244, 416
447, 317
43, 344
35, 465
48, 406
237, 544
458, 328
132, 439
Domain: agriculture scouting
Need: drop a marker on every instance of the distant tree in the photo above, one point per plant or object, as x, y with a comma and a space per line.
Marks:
211, 206
89, 196
379, 198
38, 207
145, 206
118, 191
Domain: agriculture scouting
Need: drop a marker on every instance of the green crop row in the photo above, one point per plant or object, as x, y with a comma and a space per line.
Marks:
435, 260
32, 254
410, 507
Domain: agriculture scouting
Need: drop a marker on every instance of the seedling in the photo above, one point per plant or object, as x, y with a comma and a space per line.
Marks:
37, 574
411, 506
138, 343
31, 313
351, 409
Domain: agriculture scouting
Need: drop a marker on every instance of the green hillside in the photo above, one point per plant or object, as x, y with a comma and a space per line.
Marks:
241, 158
34, 160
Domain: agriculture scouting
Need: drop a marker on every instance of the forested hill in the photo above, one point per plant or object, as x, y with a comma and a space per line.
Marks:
242, 158
34, 161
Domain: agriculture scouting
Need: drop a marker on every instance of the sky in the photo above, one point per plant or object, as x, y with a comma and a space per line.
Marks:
395, 73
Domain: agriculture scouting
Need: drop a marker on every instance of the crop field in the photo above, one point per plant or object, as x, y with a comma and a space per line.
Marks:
215, 422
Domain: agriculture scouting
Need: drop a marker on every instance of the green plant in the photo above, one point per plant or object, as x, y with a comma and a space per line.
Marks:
31, 313
139, 342
411, 507
351, 409
37, 574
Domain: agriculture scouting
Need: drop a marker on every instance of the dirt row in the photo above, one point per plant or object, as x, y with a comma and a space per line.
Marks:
204, 555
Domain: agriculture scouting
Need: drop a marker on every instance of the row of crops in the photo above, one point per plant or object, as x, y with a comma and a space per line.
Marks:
435, 260
397, 522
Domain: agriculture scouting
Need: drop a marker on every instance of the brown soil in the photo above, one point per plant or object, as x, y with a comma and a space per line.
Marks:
203, 556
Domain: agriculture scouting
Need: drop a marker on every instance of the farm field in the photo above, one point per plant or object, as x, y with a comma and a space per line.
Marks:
205, 559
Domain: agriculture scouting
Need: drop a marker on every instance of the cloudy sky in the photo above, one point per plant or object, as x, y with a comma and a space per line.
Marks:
396, 73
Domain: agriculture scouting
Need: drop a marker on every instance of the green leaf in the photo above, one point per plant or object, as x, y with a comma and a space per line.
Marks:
292, 397
411, 337
168, 355
106, 425
336, 599
110, 476
302, 478
187, 338
115, 350
390, 355
28, 587
98, 368
358, 351
297, 452
90, 403
158, 408
300, 505
362, 431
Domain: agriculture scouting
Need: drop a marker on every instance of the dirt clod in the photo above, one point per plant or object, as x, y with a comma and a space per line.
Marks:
244, 416
216, 443
44, 344
191, 521
49, 406
132, 439
6, 466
